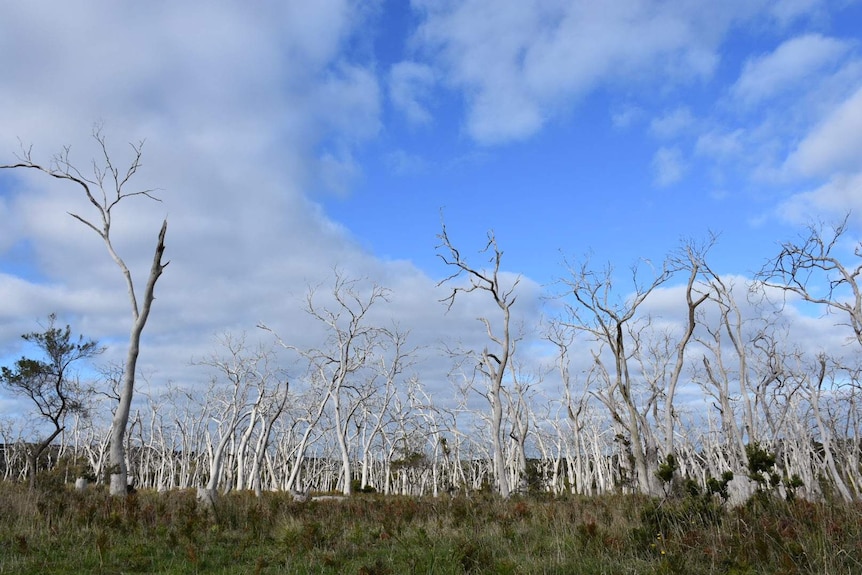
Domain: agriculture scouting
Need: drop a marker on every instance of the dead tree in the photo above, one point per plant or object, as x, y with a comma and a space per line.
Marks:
352, 346
814, 392
574, 403
105, 189
520, 405
375, 416
492, 364
812, 270
692, 259
243, 388
612, 324
726, 369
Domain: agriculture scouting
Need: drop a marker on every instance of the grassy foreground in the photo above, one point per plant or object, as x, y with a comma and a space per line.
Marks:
62, 531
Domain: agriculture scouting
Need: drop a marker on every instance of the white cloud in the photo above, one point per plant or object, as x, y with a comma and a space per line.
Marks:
10, 223
833, 200
786, 11
834, 144
338, 173
409, 87
519, 63
625, 116
673, 123
668, 165
405, 164
795, 63
762, 132
721, 145
244, 112
245, 119
348, 103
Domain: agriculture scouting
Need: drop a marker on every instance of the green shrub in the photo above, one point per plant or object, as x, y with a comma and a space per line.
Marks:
692, 532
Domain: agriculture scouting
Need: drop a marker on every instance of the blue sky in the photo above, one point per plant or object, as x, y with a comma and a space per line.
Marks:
623, 167
294, 137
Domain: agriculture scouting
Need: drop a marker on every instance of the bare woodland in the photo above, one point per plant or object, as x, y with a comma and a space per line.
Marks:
619, 400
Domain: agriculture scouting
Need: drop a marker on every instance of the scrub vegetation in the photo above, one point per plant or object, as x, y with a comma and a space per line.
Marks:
59, 530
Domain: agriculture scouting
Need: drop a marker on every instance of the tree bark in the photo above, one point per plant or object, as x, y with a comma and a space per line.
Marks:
119, 469
493, 366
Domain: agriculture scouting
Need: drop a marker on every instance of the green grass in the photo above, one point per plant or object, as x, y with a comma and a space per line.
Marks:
57, 530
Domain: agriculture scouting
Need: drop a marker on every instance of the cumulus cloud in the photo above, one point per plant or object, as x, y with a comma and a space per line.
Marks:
720, 145
520, 63
625, 116
673, 123
787, 118
245, 119
668, 166
834, 144
842, 194
403, 163
795, 62
787, 11
409, 87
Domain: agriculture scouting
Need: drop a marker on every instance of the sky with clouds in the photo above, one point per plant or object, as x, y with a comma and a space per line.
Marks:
287, 139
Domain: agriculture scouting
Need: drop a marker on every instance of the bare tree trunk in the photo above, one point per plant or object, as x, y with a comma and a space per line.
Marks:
608, 321
341, 437
693, 261
825, 432
303, 443
36, 451
519, 414
242, 448
268, 421
350, 348
493, 366
119, 481
497, 441
110, 183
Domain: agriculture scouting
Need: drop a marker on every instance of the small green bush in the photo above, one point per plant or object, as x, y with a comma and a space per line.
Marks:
691, 532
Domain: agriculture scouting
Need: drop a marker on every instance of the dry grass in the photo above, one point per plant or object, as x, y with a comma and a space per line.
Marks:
57, 530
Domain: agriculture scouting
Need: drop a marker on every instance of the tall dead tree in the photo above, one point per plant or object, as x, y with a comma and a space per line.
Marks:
352, 345
574, 401
812, 270
492, 364
520, 405
611, 323
815, 392
691, 258
105, 189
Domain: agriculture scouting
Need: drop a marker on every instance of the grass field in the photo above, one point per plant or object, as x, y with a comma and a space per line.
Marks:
58, 530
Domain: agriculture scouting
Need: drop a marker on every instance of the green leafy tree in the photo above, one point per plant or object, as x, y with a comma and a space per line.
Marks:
49, 382
666, 470
761, 464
